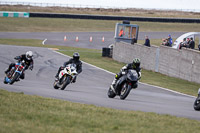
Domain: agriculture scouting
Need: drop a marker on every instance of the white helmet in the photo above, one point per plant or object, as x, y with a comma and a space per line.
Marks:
29, 55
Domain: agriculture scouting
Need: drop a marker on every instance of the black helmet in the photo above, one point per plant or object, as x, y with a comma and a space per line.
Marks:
76, 56
136, 63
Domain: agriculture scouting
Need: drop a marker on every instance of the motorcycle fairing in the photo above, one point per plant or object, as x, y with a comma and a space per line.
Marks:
119, 83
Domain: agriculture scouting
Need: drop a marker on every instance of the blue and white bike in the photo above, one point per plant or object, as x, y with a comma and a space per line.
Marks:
14, 74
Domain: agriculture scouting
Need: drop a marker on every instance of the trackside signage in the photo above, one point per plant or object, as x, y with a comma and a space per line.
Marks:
14, 14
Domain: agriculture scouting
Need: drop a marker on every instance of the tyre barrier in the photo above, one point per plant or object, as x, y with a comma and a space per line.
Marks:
106, 52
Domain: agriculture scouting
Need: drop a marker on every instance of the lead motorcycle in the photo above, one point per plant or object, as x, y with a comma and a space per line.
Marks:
14, 74
66, 76
124, 85
197, 102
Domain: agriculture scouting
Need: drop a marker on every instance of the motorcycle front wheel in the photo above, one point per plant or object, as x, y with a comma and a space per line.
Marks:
110, 93
13, 79
197, 104
125, 91
55, 85
65, 82
5, 81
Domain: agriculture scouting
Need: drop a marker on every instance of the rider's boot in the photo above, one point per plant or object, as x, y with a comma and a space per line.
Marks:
7, 71
56, 76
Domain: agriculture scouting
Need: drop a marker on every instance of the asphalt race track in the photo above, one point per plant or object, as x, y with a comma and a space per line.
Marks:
57, 38
91, 86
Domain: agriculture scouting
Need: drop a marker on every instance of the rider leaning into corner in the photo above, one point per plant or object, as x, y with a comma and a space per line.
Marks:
74, 60
27, 60
135, 65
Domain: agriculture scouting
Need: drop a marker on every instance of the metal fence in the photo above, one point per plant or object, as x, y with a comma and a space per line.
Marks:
85, 6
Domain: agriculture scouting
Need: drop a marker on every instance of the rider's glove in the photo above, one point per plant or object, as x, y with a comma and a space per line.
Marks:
17, 58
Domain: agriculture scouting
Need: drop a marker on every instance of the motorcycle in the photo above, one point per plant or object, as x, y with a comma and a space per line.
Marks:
124, 85
66, 76
197, 102
14, 74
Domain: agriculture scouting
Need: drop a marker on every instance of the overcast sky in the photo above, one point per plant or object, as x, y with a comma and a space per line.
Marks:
161, 4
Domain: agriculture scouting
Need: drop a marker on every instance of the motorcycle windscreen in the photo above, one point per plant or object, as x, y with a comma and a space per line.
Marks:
132, 75
73, 68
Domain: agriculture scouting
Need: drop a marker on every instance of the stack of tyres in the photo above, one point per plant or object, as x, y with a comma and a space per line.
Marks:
106, 52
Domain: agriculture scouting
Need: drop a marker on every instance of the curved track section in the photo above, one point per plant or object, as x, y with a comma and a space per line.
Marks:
91, 86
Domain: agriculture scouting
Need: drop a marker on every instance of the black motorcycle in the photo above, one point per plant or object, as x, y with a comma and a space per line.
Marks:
124, 85
197, 102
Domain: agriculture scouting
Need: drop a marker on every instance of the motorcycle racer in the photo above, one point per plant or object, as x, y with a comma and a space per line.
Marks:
74, 60
27, 60
134, 65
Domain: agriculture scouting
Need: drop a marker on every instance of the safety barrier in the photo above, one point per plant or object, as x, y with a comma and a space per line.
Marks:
14, 14
101, 17
97, 17
182, 64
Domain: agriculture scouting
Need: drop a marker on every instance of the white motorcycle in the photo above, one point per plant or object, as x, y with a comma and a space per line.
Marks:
66, 76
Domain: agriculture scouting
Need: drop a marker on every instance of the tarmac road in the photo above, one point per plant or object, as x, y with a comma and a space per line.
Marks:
91, 86
57, 38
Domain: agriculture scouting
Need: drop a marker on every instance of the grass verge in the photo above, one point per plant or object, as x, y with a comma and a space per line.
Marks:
94, 57
70, 25
24, 113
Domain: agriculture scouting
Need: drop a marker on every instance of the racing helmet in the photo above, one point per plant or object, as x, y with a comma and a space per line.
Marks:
136, 63
29, 55
76, 56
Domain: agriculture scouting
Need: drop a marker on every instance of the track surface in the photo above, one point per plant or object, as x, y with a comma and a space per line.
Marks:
91, 86
57, 38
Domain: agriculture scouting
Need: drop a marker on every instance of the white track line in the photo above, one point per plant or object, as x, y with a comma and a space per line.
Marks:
139, 82
44, 41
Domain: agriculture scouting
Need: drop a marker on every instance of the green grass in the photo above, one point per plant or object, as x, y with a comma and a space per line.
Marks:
22, 42
21, 113
72, 25
94, 57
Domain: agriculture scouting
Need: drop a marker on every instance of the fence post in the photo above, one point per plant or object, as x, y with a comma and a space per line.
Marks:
157, 59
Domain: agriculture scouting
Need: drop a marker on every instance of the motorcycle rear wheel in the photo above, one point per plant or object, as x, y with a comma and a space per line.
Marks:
110, 93
125, 91
65, 82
